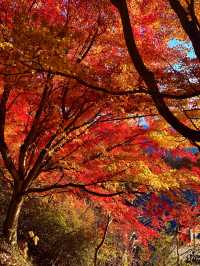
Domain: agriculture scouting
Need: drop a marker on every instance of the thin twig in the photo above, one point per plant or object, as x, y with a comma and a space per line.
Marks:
102, 240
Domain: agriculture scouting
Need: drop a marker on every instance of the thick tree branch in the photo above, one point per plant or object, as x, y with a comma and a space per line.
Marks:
191, 8
30, 138
3, 103
8, 160
148, 76
3, 146
129, 92
189, 23
71, 185
49, 149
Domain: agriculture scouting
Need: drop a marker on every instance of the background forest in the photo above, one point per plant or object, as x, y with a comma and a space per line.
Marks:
99, 132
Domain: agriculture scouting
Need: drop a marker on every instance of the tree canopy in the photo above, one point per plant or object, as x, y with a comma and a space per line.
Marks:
94, 96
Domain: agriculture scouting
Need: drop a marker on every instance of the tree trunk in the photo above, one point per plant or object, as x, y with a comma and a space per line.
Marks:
12, 218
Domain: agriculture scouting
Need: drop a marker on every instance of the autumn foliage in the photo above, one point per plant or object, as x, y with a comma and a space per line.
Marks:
96, 103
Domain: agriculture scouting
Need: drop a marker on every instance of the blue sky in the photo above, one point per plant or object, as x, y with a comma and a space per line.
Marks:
175, 42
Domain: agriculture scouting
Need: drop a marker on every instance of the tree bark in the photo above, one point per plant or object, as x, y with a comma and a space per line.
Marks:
12, 218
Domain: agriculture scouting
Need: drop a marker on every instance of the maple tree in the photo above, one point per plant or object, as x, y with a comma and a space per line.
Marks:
73, 102
190, 24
